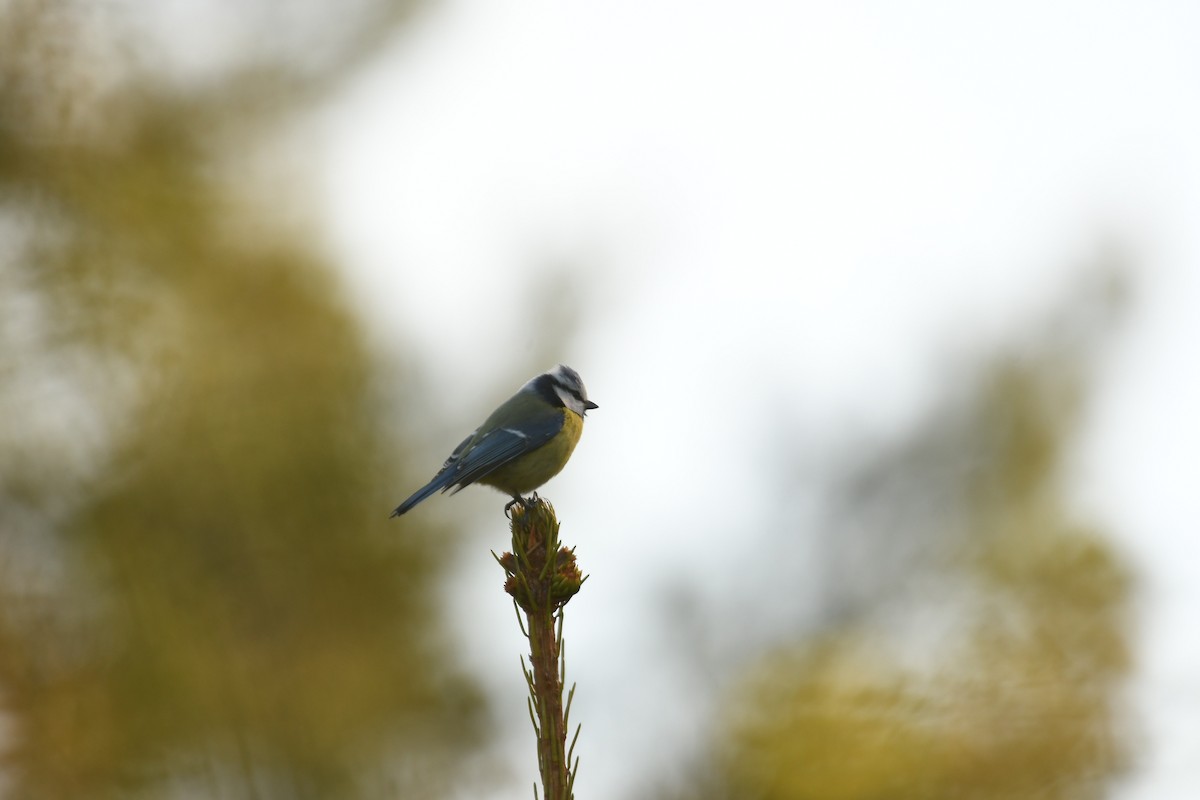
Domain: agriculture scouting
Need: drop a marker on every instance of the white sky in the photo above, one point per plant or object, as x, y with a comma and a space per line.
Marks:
780, 208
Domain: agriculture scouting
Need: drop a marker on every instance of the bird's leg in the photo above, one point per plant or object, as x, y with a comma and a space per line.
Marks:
516, 499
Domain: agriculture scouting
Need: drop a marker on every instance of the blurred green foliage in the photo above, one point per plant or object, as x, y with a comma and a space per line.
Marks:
992, 667
199, 591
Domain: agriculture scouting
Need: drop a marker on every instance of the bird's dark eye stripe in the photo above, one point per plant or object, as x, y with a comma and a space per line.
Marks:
545, 387
571, 390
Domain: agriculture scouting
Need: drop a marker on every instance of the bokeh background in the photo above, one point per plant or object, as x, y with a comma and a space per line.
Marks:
891, 314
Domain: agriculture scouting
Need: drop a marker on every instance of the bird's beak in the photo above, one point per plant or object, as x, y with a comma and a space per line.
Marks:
588, 405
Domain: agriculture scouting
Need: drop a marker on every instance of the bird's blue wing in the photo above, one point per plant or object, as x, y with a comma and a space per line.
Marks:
476, 456
498, 447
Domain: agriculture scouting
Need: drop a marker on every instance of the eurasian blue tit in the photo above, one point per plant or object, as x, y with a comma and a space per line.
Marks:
523, 444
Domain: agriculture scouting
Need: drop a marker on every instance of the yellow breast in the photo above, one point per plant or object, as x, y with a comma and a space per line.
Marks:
531, 470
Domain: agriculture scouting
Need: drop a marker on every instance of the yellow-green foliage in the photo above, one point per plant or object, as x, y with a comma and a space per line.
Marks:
216, 600
1011, 695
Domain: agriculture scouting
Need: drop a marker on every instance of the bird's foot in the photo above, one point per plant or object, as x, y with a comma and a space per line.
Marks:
524, 502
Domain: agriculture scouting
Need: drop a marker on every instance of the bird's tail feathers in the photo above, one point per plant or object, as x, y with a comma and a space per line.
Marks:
440, 482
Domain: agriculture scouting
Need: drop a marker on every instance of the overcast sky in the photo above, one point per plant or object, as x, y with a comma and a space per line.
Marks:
793, 209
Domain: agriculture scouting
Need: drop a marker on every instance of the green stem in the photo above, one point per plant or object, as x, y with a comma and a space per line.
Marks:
542, 577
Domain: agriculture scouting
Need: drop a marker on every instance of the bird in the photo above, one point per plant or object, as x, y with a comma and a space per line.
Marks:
524, 443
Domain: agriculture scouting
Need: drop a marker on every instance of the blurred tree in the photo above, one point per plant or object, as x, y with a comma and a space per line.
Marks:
990, 666
199, 593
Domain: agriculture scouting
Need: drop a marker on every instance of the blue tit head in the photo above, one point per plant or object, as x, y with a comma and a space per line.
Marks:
562, 386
